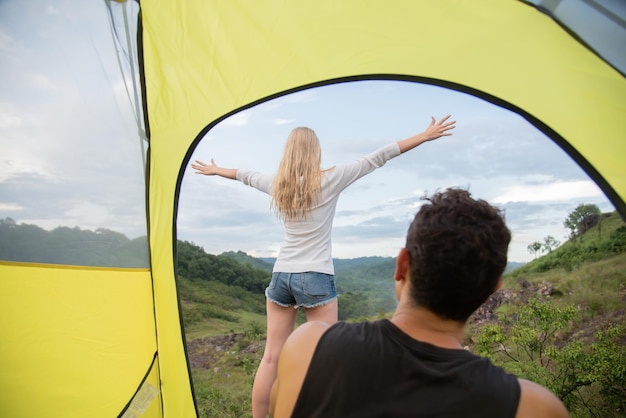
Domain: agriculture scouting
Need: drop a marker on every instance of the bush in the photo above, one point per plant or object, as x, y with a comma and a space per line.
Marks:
589, 378
617, 241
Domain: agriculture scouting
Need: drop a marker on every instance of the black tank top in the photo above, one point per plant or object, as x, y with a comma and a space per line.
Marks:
373, 369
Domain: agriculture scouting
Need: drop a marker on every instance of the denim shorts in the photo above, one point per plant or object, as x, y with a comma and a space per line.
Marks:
308, 290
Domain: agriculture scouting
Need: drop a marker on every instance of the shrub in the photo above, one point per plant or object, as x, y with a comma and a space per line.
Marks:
617, 241
590, 378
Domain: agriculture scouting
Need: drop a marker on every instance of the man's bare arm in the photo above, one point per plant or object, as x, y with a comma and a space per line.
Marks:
293, 364
538, 402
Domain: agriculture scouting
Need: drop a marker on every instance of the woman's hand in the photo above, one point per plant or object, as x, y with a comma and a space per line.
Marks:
206, 169
438, 129
435, 130
213, 170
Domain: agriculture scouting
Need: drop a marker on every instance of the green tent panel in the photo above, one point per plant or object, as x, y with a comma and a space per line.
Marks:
115, 346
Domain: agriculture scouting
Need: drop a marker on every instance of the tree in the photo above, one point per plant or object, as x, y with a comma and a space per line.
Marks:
353, 306
550, 243
577, 221
534, 248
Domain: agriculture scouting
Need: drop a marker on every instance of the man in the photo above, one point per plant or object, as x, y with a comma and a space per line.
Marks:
414, 365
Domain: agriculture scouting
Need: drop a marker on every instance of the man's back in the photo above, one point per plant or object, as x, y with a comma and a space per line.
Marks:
385, 373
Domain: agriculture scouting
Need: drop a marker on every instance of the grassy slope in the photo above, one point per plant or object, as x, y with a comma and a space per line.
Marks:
211, 308
580, 273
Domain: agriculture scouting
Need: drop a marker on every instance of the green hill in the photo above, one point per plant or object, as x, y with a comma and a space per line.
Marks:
606, 238
243, 258
72, 246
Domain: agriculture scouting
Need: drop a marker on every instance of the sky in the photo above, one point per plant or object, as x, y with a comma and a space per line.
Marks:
494, 153
71, 154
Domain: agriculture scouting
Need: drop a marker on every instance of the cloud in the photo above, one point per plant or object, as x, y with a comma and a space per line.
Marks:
8, 119
9, 207
374, 228
52, 10
6, 41
43, 82
556, 191
280, 121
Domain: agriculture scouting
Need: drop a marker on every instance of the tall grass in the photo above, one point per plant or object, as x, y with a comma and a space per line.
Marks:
222, 394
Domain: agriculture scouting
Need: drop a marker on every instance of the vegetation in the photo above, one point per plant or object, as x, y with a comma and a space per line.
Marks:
70, 246
365, 287
588, 375
581, 219
362, 283
565, 327
562, 325
606, 238
193, 263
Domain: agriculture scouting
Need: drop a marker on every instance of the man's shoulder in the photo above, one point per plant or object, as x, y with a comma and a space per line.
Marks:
538, 402
309, 332
302, 342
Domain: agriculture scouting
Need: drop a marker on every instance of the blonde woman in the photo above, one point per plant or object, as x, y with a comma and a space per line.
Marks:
305, 198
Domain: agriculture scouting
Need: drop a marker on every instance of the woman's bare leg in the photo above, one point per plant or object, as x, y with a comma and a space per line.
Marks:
326, 313
280, 323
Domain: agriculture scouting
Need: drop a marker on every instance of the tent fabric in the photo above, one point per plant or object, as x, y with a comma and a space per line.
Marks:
205, 60
104, 342
600, 24
76, 341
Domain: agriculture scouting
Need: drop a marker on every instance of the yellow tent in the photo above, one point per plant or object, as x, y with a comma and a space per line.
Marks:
107, 341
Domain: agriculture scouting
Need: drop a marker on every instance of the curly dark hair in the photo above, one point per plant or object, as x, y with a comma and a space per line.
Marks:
458, 250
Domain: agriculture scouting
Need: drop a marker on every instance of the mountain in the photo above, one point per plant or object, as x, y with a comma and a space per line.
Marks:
72, 246
265, 264
512, 265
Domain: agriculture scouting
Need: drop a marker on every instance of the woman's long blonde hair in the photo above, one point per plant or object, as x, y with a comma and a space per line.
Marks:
298, 181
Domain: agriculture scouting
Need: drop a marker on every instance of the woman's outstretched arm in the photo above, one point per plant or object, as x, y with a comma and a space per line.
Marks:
213, 170
435, 130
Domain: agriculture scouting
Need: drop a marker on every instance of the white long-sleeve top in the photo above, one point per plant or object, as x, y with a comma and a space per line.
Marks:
307, 244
